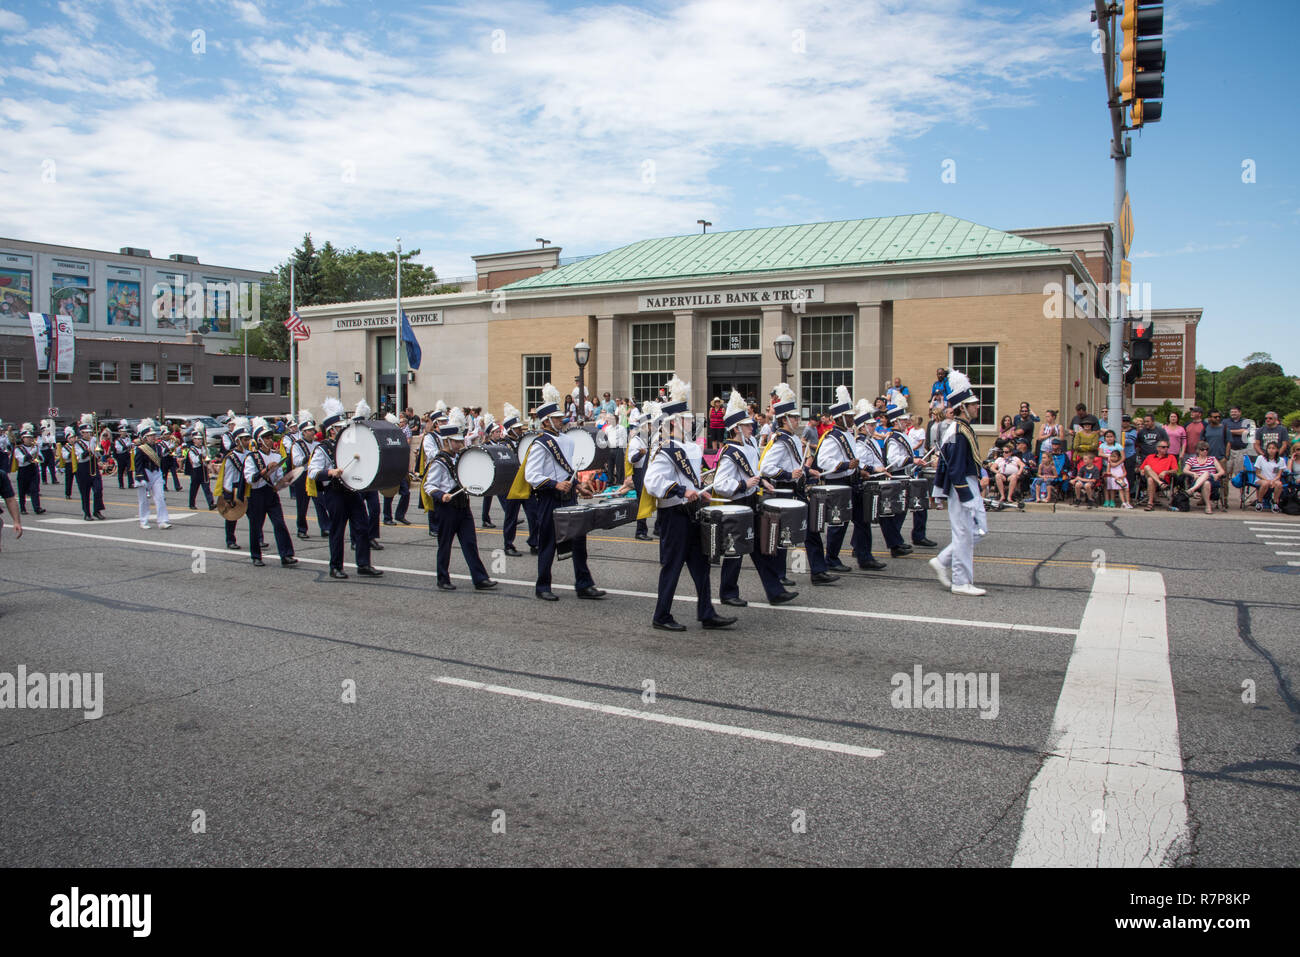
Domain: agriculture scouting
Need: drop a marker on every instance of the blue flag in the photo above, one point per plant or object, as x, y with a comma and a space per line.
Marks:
412, 347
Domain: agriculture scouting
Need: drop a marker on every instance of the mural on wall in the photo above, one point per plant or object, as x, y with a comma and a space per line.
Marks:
15, 293
68, 298
123, 303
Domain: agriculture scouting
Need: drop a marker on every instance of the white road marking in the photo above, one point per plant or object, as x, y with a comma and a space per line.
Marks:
107, 521
1289, 541
1273, 535
1110, 793
730, 729
1256, 523
271, 554
1287, 553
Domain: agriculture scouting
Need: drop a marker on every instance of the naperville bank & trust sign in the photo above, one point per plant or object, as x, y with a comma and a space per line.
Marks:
761, 296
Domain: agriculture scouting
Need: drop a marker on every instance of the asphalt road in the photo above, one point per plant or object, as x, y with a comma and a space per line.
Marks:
490, 728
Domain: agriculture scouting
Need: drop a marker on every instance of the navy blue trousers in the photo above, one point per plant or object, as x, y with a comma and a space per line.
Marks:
511, 523
403, 502
346, 508
199, 480
679, 544
458, 523
861, 540
264, 503
544, 510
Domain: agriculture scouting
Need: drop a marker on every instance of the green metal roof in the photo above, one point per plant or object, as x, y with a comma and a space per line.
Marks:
923, 237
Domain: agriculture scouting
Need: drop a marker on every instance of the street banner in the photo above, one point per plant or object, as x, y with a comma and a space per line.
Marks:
41, 333
45, 326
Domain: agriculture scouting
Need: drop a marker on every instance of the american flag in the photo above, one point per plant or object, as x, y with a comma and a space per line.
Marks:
295, 325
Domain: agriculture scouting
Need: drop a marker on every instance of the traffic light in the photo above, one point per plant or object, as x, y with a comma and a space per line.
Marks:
1140, 332
1142, 61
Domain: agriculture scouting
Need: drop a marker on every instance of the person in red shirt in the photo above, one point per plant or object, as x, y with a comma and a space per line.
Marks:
1160, 470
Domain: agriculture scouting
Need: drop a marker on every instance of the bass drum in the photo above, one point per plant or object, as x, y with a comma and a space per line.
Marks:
526, 440
591, 449
373, 455
487, 470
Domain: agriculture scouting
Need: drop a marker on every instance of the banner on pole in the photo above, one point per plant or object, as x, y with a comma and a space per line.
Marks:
41, 332
54, 338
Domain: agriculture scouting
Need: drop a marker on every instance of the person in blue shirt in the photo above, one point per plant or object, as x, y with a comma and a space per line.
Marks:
1130, 449
940, 390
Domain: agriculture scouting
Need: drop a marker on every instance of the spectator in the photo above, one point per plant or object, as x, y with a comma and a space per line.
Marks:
1050, 429
1028, 467
1042, 484
915, 435
1160, 470
1024, 422
1082, 415
1109, 444
824, 424
717, 413
1006, 430
1272, 431
1061, 462
1269, 469
1117, 484
810, 433
1195, 428
1103, 422
939, 391
1237, 429
764, 428
1006, 472
1149, 437
1205, 472
1295, 468
1087, 480
609, 405
1177, 436
570, 410
1087, 443
897, 394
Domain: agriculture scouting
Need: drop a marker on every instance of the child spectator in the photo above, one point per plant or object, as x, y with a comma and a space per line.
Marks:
1116, 480
1086, 481
1050, 430
1108, 445
1042, 485
1268, 473
1205, 471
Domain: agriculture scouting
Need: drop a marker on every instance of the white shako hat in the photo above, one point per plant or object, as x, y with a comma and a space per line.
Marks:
124, 426
239, 427
87, 423
650, 413
737, 413
895, 412
509, 418
305, 419
146, 427
843, 402
332, 413
261, 428
865, 412
550, 402
439, 411
785, 402
362, 412
454, 427
486, 423
961, 389
678, 403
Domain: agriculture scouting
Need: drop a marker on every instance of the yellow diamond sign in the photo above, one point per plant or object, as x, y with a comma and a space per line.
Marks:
1126, 225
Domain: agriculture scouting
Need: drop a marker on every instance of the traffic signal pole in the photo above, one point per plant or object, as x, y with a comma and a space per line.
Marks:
1105, 17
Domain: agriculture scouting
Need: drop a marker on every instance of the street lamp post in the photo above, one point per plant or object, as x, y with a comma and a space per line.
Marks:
784, 346
49, 340
581, 353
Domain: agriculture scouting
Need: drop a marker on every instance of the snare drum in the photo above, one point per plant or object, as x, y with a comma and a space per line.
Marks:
918, 494
613, 512
487, 470
885, 499
573, 521
726, 531
373, 455
831, 505
782, 523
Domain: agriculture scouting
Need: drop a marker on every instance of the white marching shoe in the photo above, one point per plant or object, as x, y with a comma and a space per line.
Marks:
944, 578
968, 590
164, 524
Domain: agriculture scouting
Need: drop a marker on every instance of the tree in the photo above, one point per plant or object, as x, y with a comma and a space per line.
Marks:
1260, 394
1256, 357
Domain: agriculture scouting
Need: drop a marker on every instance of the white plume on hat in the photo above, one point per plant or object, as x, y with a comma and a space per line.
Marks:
509, 412
145, 427
736, 403
842, 396
679, 391
363, 410
439, 406
649, 411
259, 425
305, 417
331, 407
864, 407
230, 413
486, 423
390, 418
550, 394
783, 393
123, 425
87, 418
456, 419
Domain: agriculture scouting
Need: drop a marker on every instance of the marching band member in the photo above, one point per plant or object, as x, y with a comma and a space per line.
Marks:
195, 458
553, 481
481, 436
311, 438
898, 458
638, 456
10, 502
67, 458
150, 477
370, 498
455, 520
673, 479
297, 446
901, 448
123, 446
429, 447
167, 449
737, 480
871, 461
228, 442
343, 505
27, 458
837, 460
231, 476
403, 487
511, 431
45, 445
263, 466
782, 464
958, 475
87, 463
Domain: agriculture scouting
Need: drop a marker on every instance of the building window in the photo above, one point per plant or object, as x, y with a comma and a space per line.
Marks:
103, 371
653, 358
144, 372
731, 335
537, 372
284, 385
181, 373
43, 376
825, 360
980, 363
225, 380
261, 384
11, 370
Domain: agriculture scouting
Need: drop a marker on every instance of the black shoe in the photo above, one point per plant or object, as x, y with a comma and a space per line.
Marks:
823, 578
787, 582
642, 537
900, 551
669, 625
485, 584
41, 511
446, 586
389, 521
432, 533
87, 518
736, 602
338, 573
513, 552
369, 571
782, 598
592, 592
258, 563
717, 621
871, 565
548, 596
286, 562
233, 546
533, 549
303, 535
402, 521
101, 516
375, 546
925, 543
837, 566
212, 507
262, 545
488, 525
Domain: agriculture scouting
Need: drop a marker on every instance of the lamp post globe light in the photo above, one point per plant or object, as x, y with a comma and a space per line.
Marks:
784, 346
581, 353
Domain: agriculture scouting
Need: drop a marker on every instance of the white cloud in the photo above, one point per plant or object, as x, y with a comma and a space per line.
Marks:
11, 21
249, 12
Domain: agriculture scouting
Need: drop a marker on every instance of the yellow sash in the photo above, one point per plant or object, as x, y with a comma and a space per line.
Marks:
519, 488
311, 487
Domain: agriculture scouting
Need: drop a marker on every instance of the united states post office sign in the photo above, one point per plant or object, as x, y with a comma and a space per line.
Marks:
387, 321
731, 298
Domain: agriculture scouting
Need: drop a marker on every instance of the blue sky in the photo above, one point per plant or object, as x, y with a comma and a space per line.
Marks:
473, 128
